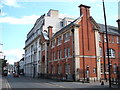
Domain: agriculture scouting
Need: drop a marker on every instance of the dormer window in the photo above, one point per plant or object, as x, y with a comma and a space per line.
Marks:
68, 22
61, 24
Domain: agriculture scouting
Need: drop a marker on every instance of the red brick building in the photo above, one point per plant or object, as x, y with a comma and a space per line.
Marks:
114, 52
78, 50
73, 49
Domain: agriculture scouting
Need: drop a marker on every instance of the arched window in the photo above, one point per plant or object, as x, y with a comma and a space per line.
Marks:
111, 53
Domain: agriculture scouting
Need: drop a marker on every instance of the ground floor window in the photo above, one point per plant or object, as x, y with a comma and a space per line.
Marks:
67, 69
115, 68
101, 68
53, 69
59, 69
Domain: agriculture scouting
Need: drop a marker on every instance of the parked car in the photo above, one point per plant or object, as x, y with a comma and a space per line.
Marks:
5, 72
15, 74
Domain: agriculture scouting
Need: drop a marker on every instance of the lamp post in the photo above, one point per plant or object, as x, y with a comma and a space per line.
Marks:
107, 43
47, 57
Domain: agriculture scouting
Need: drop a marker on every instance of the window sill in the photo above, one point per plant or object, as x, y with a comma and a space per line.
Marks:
53, 46
59, 44
111, 57
66, 41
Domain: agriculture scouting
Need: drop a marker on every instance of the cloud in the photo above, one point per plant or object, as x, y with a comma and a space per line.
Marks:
102, 0
3, 14
99, 5
23, 20
13, 55
116, 17
98, 0
66, 0
44, 0
92, 0
12, 3
1, 6
27, 19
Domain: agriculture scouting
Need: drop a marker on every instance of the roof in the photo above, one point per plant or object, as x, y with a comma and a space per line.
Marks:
45, 35
74, 23
110, 29
100, 27
81, 5
96, 26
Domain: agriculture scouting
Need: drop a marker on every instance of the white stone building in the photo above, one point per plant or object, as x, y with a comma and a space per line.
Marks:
21, 66
32, 47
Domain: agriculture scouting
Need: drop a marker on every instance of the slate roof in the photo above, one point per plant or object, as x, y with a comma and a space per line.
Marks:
111, 29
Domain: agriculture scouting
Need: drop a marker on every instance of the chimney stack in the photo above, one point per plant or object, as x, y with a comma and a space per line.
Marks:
50, 31
118, 21
84, 10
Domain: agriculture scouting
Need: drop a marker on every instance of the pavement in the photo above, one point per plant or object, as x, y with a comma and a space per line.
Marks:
5, 83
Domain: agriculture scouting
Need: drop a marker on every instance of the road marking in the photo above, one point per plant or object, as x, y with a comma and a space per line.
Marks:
53, 84
49, 84
7, 84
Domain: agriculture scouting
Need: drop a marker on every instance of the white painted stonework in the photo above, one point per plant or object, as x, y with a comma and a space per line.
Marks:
77, 52
98, 55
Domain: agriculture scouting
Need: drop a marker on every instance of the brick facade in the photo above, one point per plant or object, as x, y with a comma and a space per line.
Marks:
78, 51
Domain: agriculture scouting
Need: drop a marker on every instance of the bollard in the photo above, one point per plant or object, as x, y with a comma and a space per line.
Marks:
102, 82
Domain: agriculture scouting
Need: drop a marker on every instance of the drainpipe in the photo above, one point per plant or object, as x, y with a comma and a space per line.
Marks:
47, 56
72, 30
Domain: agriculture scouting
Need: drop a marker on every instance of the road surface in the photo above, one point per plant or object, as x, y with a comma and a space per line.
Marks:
32, 83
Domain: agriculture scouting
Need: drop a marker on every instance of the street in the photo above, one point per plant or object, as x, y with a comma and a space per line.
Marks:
27, 82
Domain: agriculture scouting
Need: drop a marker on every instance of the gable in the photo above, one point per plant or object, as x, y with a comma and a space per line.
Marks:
96, 26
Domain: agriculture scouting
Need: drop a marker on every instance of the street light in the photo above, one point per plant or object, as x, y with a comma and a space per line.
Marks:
107, 43
1, 45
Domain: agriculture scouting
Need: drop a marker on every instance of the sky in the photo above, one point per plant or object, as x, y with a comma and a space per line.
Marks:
18, 17
119, 10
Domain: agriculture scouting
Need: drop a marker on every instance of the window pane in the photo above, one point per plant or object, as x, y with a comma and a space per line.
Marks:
111, 53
